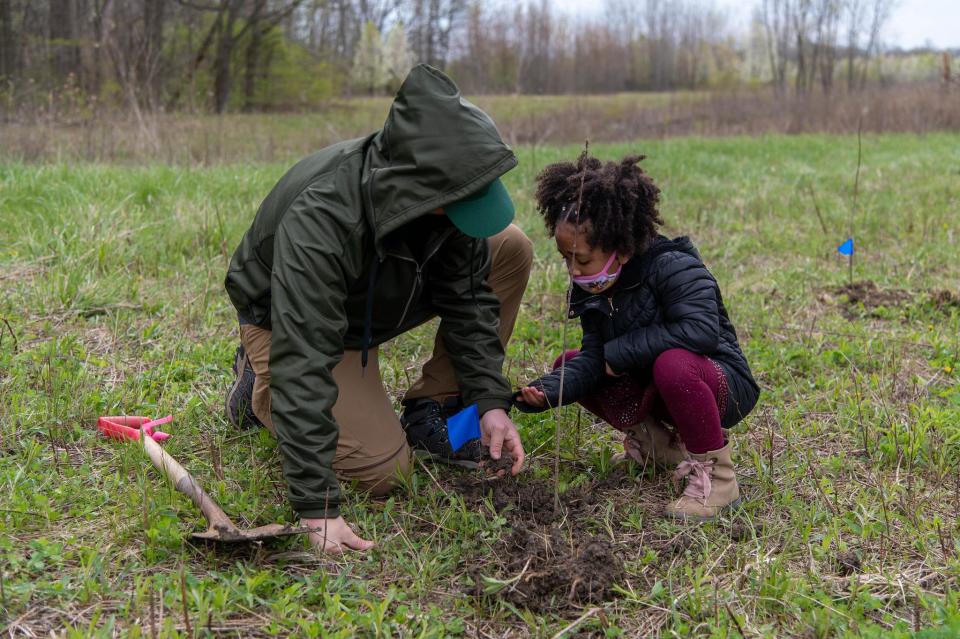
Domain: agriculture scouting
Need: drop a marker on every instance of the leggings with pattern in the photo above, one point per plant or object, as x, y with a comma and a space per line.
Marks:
689, 392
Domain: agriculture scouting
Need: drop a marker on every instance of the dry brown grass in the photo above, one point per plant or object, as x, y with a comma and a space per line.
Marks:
112, 136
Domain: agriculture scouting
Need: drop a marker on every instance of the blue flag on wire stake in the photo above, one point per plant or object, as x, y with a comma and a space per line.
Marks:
847, 247
463, 427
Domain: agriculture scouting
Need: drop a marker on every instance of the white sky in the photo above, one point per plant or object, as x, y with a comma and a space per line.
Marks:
914, 23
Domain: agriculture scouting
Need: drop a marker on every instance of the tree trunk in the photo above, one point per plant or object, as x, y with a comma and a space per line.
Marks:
854, 9
827, 69
880, 10
252, 60
221, 63
197, 61
801, 65
64, 58
153, 11
8, 46
432, 19
101, 11
771, 32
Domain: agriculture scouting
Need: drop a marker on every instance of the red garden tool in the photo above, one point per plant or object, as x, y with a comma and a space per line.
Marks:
219, 526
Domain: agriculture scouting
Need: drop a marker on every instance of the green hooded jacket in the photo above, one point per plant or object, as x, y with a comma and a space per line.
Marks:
320, 268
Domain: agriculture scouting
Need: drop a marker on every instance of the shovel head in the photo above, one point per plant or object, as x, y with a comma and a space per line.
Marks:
232, 534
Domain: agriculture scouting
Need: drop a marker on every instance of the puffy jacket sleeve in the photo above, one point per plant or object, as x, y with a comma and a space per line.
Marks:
309, 283
469, 321
687, 294
580, 377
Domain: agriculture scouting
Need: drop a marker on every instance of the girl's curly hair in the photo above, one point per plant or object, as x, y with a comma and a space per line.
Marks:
618, 199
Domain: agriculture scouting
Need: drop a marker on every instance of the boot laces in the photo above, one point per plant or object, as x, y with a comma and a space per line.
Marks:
428, 416
434, 416
698, 474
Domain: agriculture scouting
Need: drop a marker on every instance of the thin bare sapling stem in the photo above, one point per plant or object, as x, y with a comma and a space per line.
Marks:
856, 192
563, 334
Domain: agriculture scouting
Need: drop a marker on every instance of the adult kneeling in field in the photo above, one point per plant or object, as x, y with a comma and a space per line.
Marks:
355, 245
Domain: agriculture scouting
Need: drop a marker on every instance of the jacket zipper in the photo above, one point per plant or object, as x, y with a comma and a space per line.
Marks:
419, 265
413, 290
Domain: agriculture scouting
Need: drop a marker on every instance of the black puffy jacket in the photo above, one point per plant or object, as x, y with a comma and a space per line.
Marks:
664, 298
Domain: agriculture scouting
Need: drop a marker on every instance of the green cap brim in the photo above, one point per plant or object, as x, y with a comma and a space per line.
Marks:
485, 213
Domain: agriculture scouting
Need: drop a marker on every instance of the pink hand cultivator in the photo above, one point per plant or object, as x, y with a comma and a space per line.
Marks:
220, 527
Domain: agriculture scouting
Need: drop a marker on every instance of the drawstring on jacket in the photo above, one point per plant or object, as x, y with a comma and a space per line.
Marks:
473, 261
371, 284
368, 315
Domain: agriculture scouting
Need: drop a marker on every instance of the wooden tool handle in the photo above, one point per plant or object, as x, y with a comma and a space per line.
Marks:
186, 484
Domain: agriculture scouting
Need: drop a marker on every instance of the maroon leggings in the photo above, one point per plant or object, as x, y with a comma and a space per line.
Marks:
689, 391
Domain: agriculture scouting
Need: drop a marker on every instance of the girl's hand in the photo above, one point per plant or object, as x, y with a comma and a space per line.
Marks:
533, 396
610, 371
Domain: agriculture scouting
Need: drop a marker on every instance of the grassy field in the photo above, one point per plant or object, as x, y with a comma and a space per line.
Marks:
112, 303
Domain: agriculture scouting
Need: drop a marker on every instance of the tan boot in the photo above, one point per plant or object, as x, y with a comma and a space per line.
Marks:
711, 486
649, 442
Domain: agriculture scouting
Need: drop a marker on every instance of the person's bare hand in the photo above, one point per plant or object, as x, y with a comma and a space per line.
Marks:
498, 432
533, 396
334, 536
610, 371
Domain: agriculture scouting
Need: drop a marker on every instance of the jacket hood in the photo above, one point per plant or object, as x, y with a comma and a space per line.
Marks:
434, 148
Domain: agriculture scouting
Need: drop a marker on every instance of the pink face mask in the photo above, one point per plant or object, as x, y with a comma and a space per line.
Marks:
600, 281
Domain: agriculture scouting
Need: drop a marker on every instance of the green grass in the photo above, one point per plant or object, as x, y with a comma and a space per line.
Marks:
112, 292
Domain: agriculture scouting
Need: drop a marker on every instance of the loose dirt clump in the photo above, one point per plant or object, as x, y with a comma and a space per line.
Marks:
848, 563
499, 467
878, 302
944, 300
742, 532
550, 560
549, 572
518, 500
871, 296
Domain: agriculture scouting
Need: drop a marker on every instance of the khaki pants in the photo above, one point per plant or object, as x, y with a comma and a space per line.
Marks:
372, 448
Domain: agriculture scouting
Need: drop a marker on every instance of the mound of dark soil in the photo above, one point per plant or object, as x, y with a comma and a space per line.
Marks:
524, 500
518, 500
871, 296
549, 573
875, 299
848, 563
550, 560
944, 300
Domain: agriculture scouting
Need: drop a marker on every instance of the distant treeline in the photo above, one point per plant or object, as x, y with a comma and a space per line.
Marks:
252, 55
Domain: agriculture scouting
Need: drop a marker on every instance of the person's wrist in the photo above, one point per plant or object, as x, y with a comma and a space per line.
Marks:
311, 510
487, 404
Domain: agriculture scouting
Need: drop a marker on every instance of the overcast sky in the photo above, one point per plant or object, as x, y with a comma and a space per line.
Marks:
914, 22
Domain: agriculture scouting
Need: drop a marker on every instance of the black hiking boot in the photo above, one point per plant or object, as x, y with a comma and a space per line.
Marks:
239, 402
425, 423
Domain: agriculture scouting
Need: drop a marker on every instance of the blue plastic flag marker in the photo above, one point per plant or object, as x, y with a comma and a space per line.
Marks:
463, 427
847, 247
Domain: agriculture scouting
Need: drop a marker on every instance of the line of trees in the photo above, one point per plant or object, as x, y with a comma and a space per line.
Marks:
811, 37
265, 54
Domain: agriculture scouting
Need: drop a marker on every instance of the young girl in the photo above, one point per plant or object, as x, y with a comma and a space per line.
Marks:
658, 346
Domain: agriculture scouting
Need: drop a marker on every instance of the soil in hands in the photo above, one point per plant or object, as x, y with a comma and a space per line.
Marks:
552, 559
